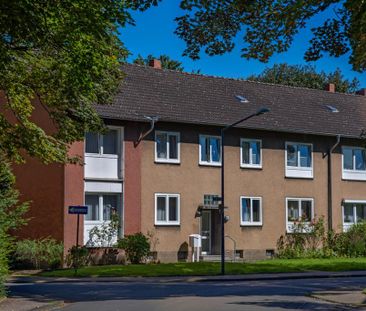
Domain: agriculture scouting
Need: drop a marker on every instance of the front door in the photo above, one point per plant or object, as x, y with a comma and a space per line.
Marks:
206, 232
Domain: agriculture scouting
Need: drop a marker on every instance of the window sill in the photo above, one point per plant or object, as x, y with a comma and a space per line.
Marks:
354, 175
157, 161
248, 166
104, 156
292, 172
290, 228
167, 224
251, 224
209, 164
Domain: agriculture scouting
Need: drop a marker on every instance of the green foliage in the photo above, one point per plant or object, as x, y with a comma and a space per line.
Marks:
270, 26
351, 243
11, 212
66, 55
166, 62
136, 246
77, 257
305, 76
104, 235
40, 253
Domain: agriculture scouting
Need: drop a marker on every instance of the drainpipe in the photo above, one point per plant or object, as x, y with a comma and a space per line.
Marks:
153, 120
330, 184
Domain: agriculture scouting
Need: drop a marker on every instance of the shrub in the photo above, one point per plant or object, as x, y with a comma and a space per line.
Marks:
104, 235
351, 243
136, 246
40, 253
77, 257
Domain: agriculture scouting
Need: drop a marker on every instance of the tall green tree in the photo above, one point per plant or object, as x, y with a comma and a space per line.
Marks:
306, 76
166, 62
269, 27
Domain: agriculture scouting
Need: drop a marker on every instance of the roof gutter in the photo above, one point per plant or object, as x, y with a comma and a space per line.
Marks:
330, 184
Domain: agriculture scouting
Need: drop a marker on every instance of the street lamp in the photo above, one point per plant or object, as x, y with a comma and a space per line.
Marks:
222, 205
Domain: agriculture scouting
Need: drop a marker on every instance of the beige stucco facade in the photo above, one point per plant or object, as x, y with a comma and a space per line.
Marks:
192, 181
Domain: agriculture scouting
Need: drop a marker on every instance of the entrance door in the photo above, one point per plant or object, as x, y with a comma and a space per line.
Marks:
206, 232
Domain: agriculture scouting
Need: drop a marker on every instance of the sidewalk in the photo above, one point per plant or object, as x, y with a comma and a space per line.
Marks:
177, 279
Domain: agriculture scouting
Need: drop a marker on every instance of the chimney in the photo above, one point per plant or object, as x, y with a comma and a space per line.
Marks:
330, 87
361, 92
155, 63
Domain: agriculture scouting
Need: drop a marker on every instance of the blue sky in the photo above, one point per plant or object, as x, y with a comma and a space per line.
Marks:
154, 34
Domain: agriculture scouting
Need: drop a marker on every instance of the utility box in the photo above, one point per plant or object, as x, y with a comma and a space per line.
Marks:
195, 241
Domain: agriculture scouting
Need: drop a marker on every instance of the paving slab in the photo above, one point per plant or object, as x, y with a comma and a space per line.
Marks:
354, 298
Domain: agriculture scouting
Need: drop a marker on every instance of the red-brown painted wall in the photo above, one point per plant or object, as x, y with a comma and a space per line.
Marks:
73, 195
132, 180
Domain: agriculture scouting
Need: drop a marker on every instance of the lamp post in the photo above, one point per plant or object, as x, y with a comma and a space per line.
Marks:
222, 205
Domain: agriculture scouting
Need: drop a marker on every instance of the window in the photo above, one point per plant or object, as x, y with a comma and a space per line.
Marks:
298, 209
167, 146
353, 213
210, 150
106, 144
299, 160
354, 163
210, 200
101, 206
250, 211
251, 153
167, 209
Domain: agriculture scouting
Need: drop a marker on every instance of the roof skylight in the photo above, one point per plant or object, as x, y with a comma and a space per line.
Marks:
242, 99
332, 108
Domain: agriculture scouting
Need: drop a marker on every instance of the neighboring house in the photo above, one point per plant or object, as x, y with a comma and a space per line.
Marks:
155, 175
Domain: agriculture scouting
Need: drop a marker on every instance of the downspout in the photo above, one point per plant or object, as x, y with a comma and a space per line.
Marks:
330, 184
153, 120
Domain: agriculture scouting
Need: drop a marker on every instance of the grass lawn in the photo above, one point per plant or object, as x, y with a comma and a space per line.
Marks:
209, 268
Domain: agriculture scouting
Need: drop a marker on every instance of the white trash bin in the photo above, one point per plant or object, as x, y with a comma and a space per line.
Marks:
195, 241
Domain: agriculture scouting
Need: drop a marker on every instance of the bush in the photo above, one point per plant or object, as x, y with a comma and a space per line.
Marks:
136, 246
351, 243
77, 257
104, 235
42, 253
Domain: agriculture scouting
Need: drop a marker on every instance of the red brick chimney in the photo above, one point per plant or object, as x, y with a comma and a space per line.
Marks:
330, 87
155, 63
361, 92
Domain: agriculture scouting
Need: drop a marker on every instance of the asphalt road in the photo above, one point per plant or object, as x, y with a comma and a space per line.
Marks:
204, 296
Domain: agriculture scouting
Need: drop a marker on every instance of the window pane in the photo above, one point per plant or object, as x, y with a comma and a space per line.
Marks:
161, 145
215, 145
256, 210
305, 155
205, 149
245, 152
173, 209
245, 209
92, 201
348, 213
161, 211
91, 143
208, 199
306, 210
347, 159
291, 155
360, 159
361, 212
173, 147
292, 210
110, 206
110, 142
256, 152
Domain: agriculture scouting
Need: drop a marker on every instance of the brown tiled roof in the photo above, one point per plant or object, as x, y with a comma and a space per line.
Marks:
198, 99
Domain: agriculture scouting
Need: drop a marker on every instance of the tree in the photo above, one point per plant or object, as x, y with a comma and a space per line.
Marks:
11, 212
66, 55
166, 62
306, 76
270, 26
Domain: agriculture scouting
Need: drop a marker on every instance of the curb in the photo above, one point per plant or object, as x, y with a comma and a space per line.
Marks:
189, 279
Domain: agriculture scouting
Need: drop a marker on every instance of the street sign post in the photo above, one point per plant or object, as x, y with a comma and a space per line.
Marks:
78, 210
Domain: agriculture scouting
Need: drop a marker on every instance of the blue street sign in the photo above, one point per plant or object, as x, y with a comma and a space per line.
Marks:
78, 209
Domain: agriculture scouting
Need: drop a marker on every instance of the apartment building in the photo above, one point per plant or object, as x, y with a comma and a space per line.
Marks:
158, 167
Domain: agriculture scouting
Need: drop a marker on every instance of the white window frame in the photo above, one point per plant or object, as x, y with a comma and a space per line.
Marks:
250, 165
167, 160
352, 174
167, 222
299, 171
209, 163
347, 225
251, 222
100, 153
100, 206
290, 224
